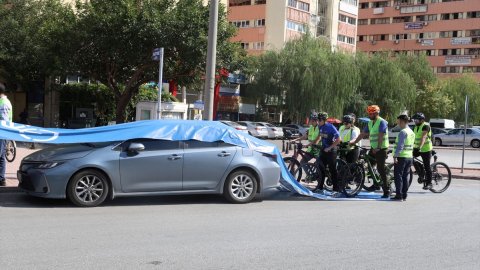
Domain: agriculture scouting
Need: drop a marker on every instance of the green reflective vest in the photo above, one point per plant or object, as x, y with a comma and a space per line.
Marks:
313, 133
373, 131
5, 109
346, 137
427, 146
407, 151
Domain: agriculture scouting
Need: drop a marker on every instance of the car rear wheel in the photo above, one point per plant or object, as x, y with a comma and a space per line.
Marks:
475, 143
88, 188
438, 142
241, 187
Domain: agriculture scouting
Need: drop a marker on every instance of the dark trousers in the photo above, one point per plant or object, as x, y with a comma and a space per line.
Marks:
352, 155
426, 158
329, 161
402, 174
380, 158
3, 160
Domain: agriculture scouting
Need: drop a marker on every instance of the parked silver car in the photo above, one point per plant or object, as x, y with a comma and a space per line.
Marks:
273, 131
455, 137
87, 174
255, 129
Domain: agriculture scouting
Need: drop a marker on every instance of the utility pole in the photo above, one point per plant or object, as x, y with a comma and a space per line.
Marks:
211, 60
158, 56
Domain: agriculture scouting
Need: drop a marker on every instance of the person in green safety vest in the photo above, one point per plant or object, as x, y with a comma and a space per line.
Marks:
313, 137
423, 146
377, 131
5, 115
403, 158
348, 133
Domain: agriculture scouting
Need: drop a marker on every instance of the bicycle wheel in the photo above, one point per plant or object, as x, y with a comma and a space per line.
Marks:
340, 164
10, 151
293, 167
353, 178
312, 176
441, 177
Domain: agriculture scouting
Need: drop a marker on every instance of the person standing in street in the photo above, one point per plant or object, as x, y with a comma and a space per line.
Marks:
423, 146
348, 133
402, 157
330, 140
377, 130
5, 115
313, 137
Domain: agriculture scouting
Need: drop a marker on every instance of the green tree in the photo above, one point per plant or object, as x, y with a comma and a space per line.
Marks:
384, 83
459, 87
433, 101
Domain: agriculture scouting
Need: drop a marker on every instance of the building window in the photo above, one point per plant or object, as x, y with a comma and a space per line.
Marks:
303, 6
241, 24
449, 34
363, 22
404, 2
426, 18
472, 33
362, 38
379, 37
401, 36
244, 45
451, 16
448, 69
296, 26
363, 5
472, 51
345, 39
448, 52
471, 69
402, 19
292, 3
260, 2
381, 4
473, 14
234, 3
258, 45
427, 35
259, 22
380, 21
347, 19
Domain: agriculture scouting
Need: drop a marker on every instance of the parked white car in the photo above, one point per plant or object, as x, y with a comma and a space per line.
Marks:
255, 129
235, 126
273, 131
393, 132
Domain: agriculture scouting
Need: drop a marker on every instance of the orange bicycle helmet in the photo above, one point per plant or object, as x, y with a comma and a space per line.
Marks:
373, 109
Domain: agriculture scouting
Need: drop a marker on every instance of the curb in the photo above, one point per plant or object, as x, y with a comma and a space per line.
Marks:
10, 190
465, 177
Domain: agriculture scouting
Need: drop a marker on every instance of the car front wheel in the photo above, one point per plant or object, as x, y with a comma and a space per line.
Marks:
240, 187
88, 188
475, 143
438, 142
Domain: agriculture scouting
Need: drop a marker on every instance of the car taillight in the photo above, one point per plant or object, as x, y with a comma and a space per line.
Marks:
239, 128
258, 129
274, 157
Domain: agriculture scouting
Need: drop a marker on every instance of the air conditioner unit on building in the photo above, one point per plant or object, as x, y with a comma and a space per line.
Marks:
397, 7
373, 42
474, 56
419, 40
425, 23
396, 41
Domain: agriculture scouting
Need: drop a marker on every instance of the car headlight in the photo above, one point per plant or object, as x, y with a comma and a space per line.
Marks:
48, 165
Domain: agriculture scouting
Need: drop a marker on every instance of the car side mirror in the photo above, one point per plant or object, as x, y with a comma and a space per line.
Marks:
134, 148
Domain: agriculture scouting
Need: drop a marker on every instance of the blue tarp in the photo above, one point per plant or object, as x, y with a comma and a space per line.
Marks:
176, 130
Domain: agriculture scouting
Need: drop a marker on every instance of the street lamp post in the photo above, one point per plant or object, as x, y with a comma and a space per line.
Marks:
211, 59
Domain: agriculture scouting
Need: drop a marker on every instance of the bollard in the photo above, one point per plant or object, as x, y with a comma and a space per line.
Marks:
288, 146
283, 146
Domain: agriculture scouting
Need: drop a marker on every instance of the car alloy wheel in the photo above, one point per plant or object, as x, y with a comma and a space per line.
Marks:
240, 187
475, 143
88, 188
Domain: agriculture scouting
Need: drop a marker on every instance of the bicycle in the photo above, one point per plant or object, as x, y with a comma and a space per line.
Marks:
10, 150
314, 171
372, 181
441, 174
353, 176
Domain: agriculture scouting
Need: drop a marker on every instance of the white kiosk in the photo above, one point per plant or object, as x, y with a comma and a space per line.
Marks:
147, 110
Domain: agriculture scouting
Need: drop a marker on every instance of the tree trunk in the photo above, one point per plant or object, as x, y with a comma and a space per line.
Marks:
122, 102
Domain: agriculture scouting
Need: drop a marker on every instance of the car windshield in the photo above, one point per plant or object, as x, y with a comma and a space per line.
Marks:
98, 144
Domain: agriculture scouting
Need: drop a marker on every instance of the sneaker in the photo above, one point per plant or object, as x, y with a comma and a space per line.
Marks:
3, 183
398, 199
404, 199
336, 194
386, 195
319, 191
427, 187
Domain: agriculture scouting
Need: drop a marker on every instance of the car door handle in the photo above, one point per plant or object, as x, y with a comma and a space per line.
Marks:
174, 157
224, 154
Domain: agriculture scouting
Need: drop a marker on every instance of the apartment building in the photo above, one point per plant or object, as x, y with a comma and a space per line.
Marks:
447, 31
268, 24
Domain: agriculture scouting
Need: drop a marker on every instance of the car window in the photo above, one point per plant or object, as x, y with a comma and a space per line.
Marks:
270, 125
199, 144
258, 124
454, 131
242, 124
469, 131
155, 145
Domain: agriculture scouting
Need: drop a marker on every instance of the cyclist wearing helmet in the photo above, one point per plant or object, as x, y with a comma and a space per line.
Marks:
377, 130
423, 146
348, 133
330, 140
313, 136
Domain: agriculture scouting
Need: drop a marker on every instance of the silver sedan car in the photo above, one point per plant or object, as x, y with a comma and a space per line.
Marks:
87, 174
455, 137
